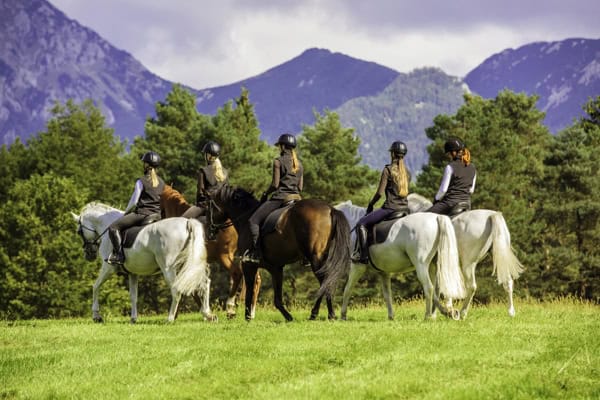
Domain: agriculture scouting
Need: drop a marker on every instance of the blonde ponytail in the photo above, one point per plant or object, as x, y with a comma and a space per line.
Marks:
400, 176
153, 177
295, 163
218, 169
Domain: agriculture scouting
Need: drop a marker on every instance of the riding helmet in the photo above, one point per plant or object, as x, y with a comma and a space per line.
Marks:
398, 147
212, 148
287, 139
152, 158
453, 145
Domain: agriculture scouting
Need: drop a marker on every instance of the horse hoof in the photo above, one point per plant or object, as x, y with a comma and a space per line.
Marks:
455, 315
332, 317
212, 318
133, 321
311, 318
231, 315
98, 320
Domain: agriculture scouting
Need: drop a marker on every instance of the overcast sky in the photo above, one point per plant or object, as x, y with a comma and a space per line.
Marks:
204, 43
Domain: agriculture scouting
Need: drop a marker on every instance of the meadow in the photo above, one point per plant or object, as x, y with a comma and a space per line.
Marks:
548, 351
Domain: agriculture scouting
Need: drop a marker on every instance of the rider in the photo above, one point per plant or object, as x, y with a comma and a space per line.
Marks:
458, 181
210, 177
286, 183
144, 202
394, 181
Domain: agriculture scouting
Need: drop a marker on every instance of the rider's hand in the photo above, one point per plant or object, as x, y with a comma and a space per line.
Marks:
264, 197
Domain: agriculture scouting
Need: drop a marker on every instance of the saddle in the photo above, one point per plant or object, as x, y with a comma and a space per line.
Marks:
130, 234
379, 232
270, 223
459, 208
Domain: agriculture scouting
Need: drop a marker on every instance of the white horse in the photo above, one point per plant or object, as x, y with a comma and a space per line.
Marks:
174, 246
413, 240
476, 232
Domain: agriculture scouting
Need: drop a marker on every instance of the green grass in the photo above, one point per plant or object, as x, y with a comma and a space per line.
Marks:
548, 350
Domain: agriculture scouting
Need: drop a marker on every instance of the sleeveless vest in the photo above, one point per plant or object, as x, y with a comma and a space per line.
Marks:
149, 202
210, 180
288, 179
460, 182
393, 200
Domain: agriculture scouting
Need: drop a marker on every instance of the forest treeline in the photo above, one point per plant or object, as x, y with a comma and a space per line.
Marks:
546, 186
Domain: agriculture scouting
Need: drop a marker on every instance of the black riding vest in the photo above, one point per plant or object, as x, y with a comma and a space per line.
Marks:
149, 202
393, 200
461, 182
210, 182
289, 180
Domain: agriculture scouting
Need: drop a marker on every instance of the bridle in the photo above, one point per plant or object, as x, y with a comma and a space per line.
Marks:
215, 227
90, 246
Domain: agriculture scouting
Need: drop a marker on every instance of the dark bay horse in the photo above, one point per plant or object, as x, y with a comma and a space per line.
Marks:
221, 250
310, 231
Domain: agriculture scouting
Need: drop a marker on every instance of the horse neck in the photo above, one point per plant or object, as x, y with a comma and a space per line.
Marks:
101, 219
353, 213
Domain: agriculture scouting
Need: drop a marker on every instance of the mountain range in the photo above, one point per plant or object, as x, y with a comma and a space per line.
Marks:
47, 57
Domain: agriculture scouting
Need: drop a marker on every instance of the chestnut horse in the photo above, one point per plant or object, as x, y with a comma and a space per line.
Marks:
310, 230
221, 250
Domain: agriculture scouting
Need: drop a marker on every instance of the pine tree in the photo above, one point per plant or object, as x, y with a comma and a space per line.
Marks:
332, 165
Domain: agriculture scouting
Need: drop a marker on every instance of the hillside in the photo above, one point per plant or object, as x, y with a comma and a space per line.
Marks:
402, 112
563, 74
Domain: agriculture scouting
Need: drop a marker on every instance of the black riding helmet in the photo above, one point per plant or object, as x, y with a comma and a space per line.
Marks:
151, 158
287, 139
453, 145
212, 148
398, 147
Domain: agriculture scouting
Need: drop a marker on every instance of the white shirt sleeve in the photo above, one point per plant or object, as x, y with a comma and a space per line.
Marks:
135, 197
445, 182
473, 186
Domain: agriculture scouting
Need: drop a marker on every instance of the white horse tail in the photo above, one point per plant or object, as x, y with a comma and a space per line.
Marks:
506, 265
449, 276
193, 272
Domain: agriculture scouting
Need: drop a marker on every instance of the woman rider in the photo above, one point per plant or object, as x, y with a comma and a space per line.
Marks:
210, 177
144, 202
458, 181
394, 181
286, 185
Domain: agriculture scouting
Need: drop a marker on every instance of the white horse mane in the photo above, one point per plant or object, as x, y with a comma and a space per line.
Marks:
352, 212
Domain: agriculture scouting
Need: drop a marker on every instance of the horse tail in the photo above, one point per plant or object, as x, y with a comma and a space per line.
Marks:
337, 261
506, 265
449, 276
193, 273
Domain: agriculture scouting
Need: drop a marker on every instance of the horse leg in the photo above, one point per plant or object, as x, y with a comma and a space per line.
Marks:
133, 295
235, 278
105, 272
428, 289
386, 288
205, 309
315, 310
175, 295
257, 283
356, 271
277, 275
471, 286
250, 270
508, 286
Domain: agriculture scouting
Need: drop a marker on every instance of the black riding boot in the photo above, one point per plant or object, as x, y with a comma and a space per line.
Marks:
363, 252
253, 254
117, 257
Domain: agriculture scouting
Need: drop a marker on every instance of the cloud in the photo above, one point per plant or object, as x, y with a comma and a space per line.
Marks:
205, 44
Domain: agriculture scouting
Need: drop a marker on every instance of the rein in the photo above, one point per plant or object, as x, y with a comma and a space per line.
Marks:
217, 227
94, 241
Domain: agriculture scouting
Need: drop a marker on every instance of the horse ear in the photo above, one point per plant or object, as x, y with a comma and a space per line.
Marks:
75, 216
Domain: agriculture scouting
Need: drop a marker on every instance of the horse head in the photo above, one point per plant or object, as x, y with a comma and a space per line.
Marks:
418, 203
234, 201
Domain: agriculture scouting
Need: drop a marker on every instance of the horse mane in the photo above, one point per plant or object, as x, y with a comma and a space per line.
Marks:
236, 195
96, 206
353, 212
418, 203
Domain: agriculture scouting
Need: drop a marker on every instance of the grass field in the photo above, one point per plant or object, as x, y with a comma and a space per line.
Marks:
549, 350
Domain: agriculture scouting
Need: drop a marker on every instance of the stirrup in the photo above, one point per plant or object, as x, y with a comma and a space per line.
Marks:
115, 259
251, 256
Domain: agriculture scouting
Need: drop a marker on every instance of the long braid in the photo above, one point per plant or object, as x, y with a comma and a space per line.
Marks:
218, 168
466, 156
153, 177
